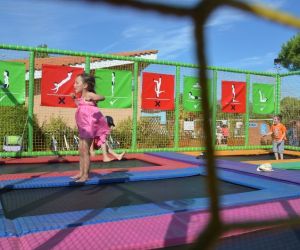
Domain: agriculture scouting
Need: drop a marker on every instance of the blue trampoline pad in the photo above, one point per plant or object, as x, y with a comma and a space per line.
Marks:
28, 209
68, 166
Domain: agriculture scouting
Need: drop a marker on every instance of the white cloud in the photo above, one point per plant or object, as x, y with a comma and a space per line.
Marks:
137, 31
110, 47
225, 18
254, 61
274, 4
170, 42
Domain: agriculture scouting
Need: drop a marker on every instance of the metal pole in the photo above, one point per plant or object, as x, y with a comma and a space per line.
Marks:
30, 101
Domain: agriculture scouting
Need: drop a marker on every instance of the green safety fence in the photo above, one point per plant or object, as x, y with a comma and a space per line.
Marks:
145, 130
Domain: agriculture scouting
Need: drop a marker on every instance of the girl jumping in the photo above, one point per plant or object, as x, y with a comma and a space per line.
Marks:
90, 122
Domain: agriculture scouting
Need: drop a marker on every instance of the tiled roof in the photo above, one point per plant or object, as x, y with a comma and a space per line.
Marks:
73, 60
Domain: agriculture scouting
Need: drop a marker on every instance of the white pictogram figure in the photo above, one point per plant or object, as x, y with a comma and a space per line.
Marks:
58, 85
113, 81
157, 87
196, 85
5, 85
233, 93
262, 98
194, 97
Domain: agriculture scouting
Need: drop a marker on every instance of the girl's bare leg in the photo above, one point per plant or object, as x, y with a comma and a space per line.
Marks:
114, 154
106, 158
86, 144
92, 149
81, 161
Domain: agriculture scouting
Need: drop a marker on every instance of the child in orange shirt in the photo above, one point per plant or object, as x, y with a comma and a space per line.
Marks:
225, 132
278, 132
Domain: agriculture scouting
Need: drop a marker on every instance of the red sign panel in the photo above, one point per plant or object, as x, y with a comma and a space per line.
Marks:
233, 97
158, 91
57, 85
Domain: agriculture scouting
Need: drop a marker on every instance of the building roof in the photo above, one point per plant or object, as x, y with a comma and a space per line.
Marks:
79, 60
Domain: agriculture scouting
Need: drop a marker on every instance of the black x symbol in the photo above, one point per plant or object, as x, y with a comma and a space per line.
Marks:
157, 103
61, 100
232, 107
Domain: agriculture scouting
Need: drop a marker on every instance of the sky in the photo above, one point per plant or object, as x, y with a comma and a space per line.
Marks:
234, 39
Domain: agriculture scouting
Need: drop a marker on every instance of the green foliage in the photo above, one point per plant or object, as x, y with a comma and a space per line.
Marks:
55, 124
57, 128
13, 121
149, 133
290, 109
290, 54
42, 54
123, 133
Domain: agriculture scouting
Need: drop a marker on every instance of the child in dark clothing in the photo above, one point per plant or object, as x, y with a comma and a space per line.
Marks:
110, 142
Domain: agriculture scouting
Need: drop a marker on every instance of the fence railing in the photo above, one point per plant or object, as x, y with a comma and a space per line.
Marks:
146, 130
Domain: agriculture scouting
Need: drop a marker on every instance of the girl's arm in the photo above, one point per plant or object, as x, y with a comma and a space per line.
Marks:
73, 96
92, 97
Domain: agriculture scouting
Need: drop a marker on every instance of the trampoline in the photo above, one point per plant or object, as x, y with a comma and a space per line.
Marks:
259, 157
287, 165
155, 205
254, 156
68, 166
32, 202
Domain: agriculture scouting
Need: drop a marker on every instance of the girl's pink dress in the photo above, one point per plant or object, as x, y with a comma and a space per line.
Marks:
90, 122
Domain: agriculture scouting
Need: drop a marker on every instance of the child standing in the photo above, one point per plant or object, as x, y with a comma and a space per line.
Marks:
109, 142
278, 132
225, 133
90, 122
219, 135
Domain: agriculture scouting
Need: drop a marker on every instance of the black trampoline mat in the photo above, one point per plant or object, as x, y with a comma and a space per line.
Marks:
31, 202
68, 166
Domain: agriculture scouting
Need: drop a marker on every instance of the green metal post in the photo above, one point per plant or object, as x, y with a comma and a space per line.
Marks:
247, 117
30, 101
135, 104
213, 103
87, 64
278, 96
177, 108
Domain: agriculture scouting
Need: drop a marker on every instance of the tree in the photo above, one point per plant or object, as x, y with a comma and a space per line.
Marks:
290, 54
42, 54
289, 108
